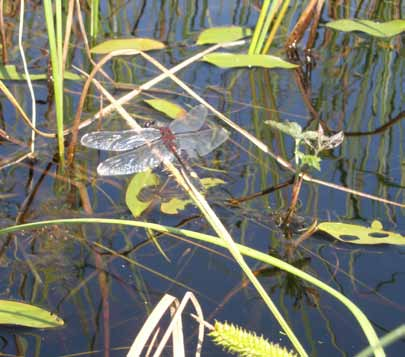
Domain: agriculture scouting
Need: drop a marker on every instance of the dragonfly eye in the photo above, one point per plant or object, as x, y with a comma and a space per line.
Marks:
150, 124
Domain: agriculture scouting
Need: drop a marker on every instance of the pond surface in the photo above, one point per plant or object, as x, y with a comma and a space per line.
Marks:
356, 86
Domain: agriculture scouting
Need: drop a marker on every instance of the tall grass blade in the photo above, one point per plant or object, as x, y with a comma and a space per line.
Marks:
55, 47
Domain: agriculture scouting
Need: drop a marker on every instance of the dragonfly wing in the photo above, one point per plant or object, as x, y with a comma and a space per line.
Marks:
119, 140
138, 160
193, 121
202, 142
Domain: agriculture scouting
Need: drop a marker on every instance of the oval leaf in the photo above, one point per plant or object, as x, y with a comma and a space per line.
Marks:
21, 314
352, 233
223, 34
231, 60
375, 29
142, 44
138, 182
172, 110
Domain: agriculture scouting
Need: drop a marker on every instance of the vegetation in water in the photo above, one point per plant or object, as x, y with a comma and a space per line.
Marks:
338, 99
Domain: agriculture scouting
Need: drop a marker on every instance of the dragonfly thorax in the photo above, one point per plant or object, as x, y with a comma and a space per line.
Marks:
168, 138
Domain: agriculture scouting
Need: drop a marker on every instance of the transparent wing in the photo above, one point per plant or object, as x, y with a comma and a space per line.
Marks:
201, 143
119, 140
193, 121
137, 160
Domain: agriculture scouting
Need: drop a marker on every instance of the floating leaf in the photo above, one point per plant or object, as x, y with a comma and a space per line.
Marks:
223, 34
171, 109
352, 233
21, 314
376, 29
174, 205
142, 44
177, 204
138, 182
10, 73
231, 60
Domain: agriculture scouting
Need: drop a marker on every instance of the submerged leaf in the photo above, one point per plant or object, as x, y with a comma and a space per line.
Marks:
376, 29
352, 233
142, 44
21, 314
172, 110
223, 34
290, 128
231, 60
137, 183
209, 182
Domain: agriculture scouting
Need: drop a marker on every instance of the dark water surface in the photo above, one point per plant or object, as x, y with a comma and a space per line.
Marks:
357, 86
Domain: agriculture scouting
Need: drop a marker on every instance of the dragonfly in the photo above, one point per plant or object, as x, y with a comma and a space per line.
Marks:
188, 137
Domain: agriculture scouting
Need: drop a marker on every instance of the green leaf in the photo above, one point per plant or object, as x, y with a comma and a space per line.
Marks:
231, 60
137, 183
10, 73
142, 44
21, 314
223, 34
376, 29
171, 109
352, 233
290, 128
310, 135
174, 205
209, 182
310, 160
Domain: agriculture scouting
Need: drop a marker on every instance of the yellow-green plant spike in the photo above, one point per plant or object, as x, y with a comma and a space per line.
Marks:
244, 343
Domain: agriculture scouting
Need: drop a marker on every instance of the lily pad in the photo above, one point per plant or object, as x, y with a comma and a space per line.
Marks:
21, 314
375, 29
223, 34
231, 60
10, 73
137, 183
171, 109
352, 233
142, 44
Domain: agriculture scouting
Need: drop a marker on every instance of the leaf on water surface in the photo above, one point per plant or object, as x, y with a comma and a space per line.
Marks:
232, 60
372, 28
10, 73
171, 109
223, 34
142, 44
176, 205
21, 314
137, 183
352, 233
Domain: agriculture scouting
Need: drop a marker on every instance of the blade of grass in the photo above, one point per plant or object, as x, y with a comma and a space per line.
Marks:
55, 47
275, 27
27, 75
